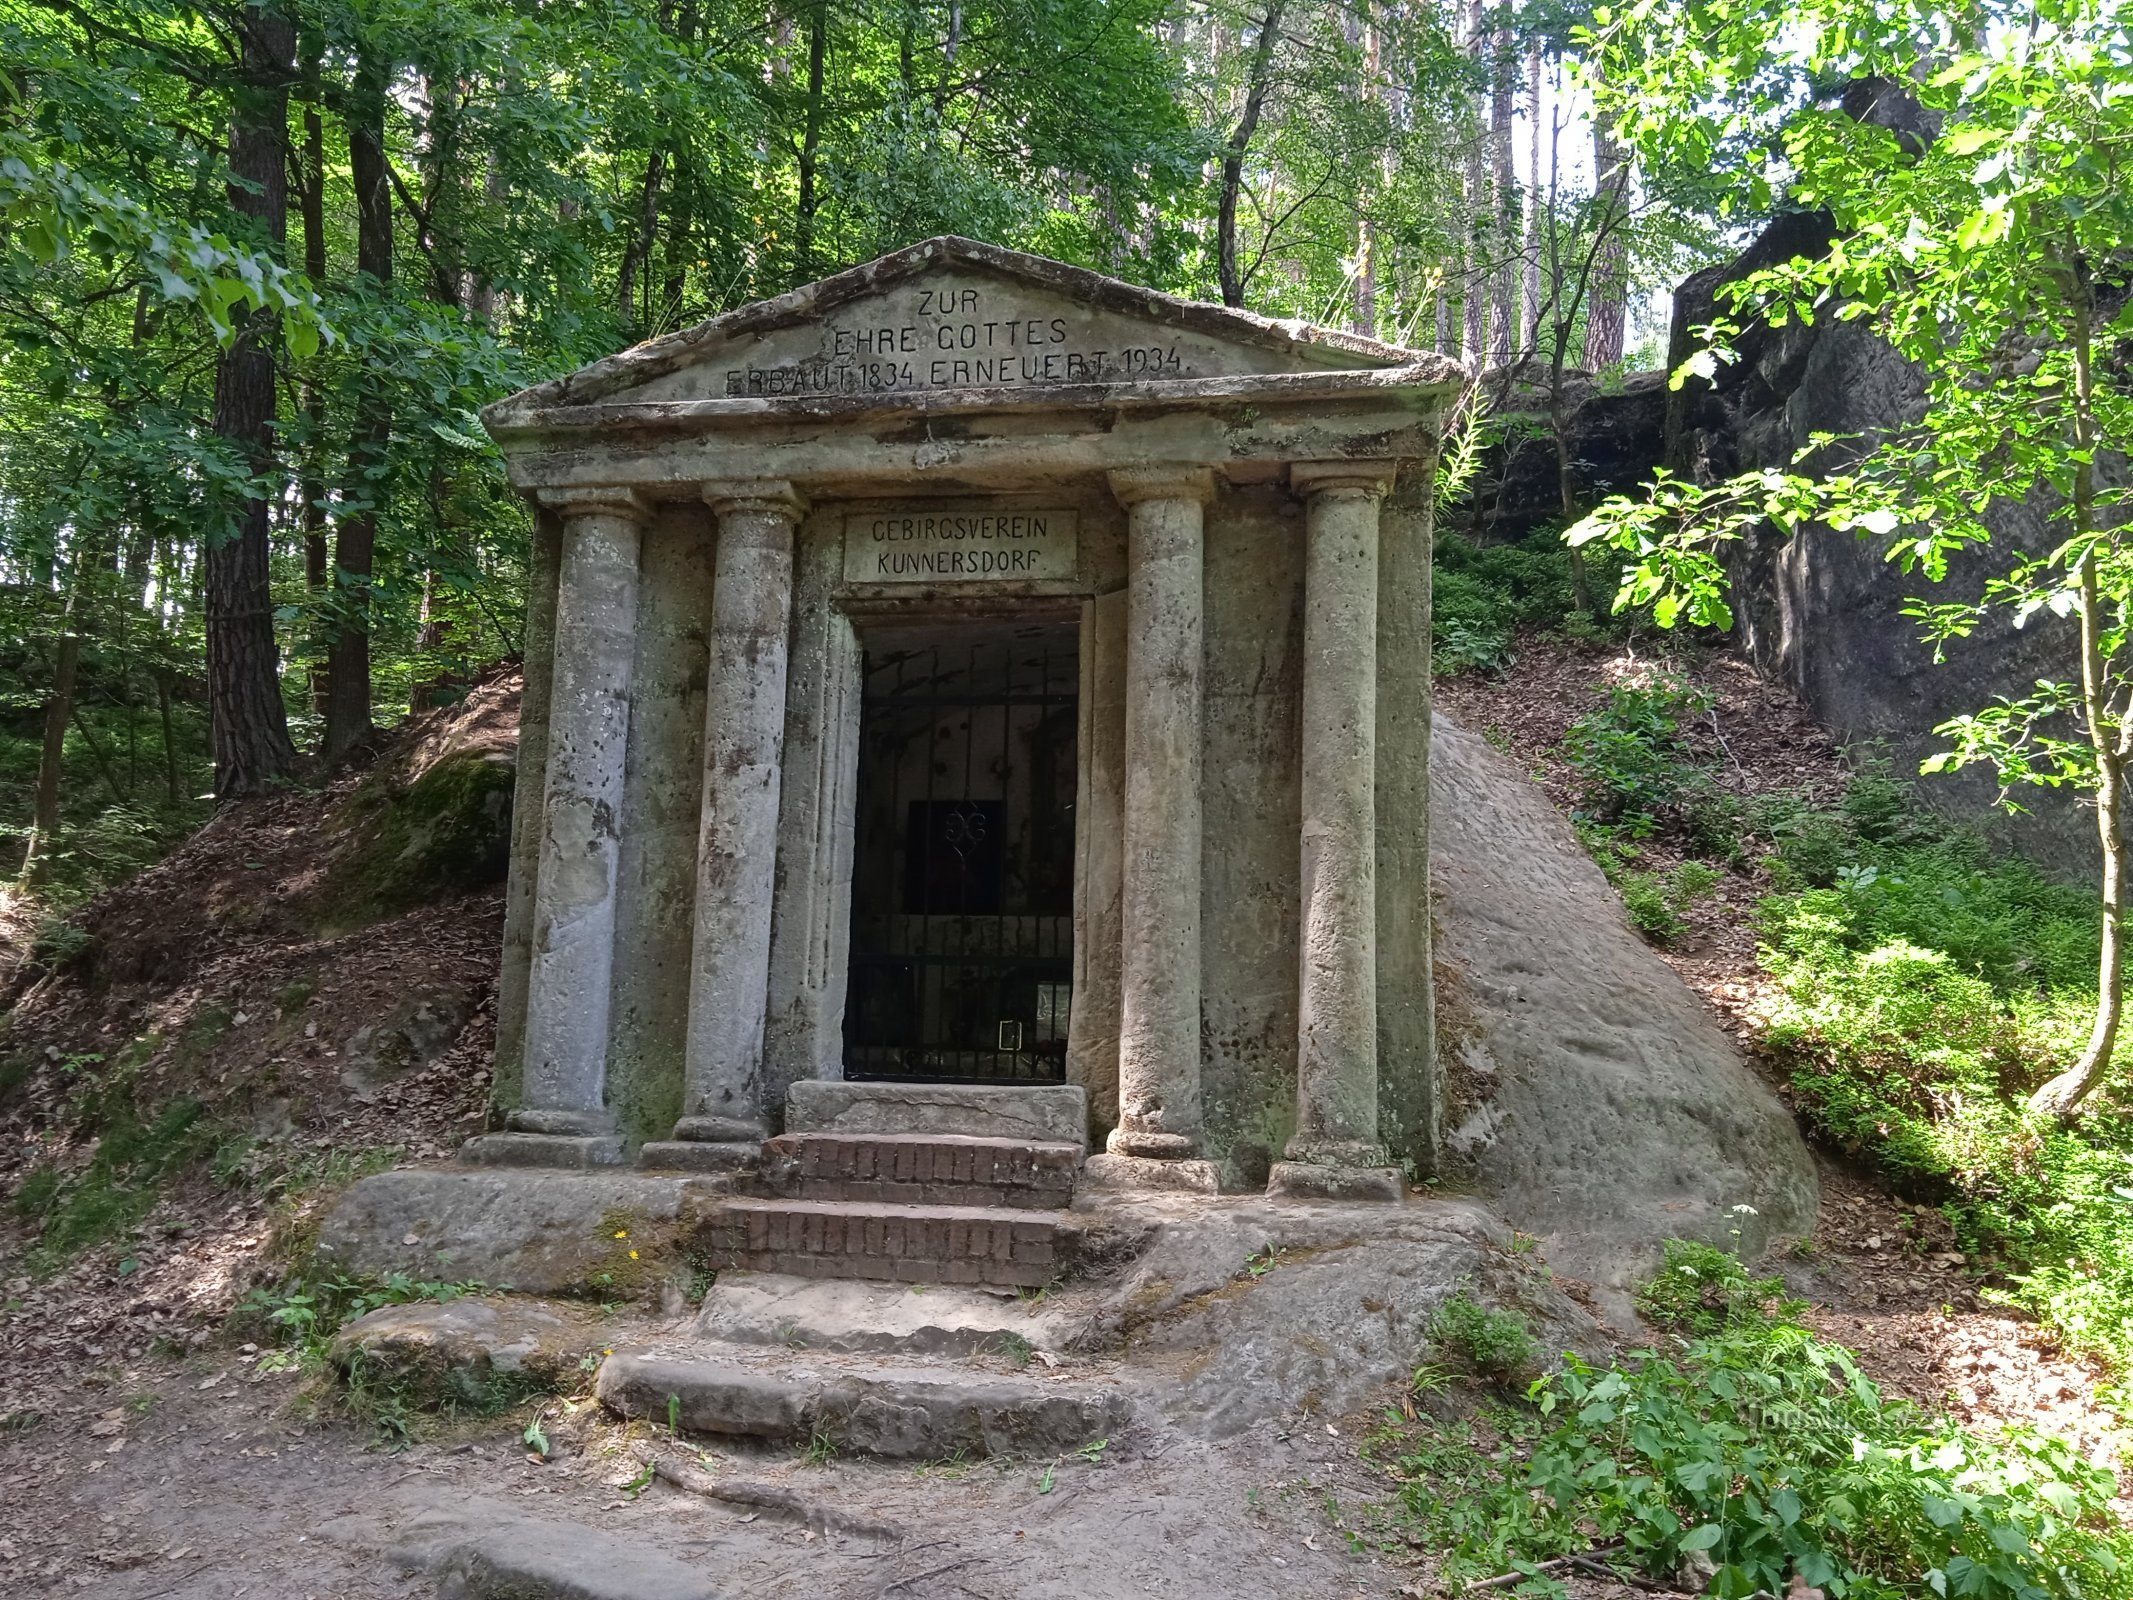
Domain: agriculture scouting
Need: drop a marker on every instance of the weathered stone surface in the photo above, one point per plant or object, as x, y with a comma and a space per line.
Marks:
417, 1030
1823, 613
902, 1412
573, 1152
1246, 1308
1616, 434
536, 1232
920, 1416
1596, 1102
478, 1549
1056, 1113
763, 1308
467, 1354
1306, 1180
713, 1396
1190, 1176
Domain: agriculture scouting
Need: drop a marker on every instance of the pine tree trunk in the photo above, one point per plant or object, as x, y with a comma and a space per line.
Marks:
1505, 231
348, 706
248, 722
1535, 190
1473, 274
1608, 309
312, 479
58, 711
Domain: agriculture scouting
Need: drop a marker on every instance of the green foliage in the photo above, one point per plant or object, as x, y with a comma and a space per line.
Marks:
1492, 1344
1923, 986
1658, 903
303, 1312
1483, 593
1701, 1290
1771, 1454
121, 1183
1630, 753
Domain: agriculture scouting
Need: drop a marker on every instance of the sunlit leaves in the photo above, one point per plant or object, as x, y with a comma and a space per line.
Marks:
51, 210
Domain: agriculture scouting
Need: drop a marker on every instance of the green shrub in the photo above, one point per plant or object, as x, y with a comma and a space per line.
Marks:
1701, 1289
1771, 1454
122, 1181
1483, 593
1470, 624
1629, 754
1492, 1344
1658, 903
1922, 987
38, 1193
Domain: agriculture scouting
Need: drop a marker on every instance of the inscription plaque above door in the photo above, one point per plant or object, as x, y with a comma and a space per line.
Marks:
974, 544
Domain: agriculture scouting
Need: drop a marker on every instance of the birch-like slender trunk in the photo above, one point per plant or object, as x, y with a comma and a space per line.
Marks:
2110, 735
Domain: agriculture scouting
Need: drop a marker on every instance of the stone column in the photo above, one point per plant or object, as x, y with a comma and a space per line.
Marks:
562, 1117
1158, 1132
722, 1116
1336, 1150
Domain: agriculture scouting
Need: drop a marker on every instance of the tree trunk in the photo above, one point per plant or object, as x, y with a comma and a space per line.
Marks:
1505, 229
1473, 267
811, 139
1257, 82
348, 709
249, 724
58, 711
1609, 307
2063, 1095
171, 784
637, 258
312, 479
1366, 252
1531, 340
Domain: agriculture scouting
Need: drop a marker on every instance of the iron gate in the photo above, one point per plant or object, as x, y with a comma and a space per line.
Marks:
963, 868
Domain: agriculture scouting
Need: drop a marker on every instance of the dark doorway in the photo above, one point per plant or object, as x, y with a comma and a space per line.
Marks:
963, 867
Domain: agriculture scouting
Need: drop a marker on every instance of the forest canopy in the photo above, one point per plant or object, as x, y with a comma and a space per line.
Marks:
262, 263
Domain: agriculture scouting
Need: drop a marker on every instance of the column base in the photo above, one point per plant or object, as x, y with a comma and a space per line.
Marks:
550, 1120
1146, 1172
699, 1155
570, 1151
1310, 1180
719, 1130
1151, 1145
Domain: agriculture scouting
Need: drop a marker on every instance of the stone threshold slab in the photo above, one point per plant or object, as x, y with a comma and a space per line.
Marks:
900, 1412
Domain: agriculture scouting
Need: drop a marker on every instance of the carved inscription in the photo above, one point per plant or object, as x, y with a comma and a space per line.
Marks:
971, 544
958, 338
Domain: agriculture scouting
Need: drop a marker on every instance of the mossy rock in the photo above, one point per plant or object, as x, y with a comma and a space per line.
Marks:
445, 834
467, 1357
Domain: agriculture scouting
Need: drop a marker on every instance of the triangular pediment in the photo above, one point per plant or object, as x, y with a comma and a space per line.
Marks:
953, 314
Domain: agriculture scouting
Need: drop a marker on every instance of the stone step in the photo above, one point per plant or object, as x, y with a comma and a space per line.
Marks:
934, 1169
772, 1310
903, 1411
896, 1243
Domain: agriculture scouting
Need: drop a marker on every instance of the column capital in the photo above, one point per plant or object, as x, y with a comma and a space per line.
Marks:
1168, 481
1373, 478
596, 500
725, 495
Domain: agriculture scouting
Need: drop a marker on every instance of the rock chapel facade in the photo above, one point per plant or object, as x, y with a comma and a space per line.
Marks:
974, 673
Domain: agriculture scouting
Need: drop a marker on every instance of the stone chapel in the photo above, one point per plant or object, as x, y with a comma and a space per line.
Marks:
971, 695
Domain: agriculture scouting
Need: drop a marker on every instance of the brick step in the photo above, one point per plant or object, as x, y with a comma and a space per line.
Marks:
926, 1169
896, 1243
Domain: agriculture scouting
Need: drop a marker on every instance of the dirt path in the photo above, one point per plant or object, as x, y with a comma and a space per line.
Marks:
148, 1486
